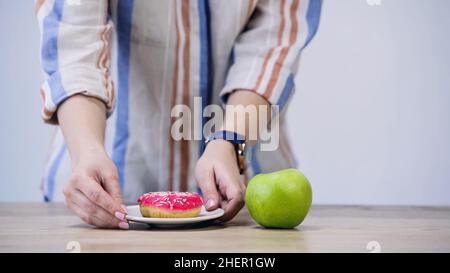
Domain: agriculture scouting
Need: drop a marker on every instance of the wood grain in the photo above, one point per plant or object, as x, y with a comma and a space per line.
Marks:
39, 227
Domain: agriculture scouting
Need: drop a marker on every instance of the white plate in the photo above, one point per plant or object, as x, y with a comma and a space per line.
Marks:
134, 214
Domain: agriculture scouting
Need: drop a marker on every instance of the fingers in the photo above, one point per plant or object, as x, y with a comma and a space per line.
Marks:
97, 195
86, 217
106, 219
207, 183
90, 212
220, 183
233, 206
233, 191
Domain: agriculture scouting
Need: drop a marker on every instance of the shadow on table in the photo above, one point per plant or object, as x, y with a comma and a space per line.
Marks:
299, 228
207, 225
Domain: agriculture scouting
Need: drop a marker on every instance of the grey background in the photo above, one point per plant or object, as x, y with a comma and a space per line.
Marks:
370, 121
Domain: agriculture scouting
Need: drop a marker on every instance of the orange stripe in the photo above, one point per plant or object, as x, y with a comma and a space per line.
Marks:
101, 56
184, 149
282, 24
285, 50
173, 102
105, 37
105, 63
270, 52
38, 6
108, 47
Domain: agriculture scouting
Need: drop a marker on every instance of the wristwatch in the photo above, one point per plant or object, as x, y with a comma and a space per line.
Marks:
238, 142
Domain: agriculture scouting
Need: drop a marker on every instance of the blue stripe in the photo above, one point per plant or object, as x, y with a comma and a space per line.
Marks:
49, 51
286, 92
57, 90
232, 57
254, 161
52, 173
313, 19
124, 19
205, 61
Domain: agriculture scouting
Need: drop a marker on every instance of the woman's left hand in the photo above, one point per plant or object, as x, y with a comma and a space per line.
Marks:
217, 175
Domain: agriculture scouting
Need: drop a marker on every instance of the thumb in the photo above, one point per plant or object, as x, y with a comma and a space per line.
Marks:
207, 184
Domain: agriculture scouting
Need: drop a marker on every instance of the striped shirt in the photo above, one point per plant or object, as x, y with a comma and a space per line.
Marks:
166, 53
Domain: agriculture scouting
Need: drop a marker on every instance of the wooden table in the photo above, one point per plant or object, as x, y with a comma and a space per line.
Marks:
39, 227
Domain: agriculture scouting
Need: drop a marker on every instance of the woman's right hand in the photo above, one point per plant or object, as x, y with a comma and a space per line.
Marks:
93, 191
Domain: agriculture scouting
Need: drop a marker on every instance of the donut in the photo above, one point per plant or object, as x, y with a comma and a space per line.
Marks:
170, 204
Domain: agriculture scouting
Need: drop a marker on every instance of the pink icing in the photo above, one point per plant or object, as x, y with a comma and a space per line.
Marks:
171, 200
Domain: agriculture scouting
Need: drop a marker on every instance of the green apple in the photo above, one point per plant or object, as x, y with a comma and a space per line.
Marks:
280, 199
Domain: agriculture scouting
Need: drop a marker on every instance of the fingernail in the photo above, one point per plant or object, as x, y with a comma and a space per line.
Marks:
210, 203
119, 216
124, 208
124, 225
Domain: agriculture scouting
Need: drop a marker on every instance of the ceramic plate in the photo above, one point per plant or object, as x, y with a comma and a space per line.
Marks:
134, 215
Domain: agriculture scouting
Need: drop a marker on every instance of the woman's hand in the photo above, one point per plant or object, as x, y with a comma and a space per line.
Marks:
217, 175
217, 171
93, 191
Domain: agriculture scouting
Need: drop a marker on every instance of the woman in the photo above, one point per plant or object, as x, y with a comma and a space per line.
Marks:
240, 52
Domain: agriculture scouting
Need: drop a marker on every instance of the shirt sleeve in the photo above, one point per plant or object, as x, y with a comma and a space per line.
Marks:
75, 52
266, 53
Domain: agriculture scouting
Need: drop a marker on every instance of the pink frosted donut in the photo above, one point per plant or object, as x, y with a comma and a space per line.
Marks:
170, 204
